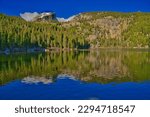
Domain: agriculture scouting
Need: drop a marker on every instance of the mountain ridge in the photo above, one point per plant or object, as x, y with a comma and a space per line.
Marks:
44, 16
86, 30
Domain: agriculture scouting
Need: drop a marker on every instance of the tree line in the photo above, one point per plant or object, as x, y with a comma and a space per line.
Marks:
17, 33
96, 29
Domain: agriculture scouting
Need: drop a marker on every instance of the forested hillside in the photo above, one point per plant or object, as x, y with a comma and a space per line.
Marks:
87, 30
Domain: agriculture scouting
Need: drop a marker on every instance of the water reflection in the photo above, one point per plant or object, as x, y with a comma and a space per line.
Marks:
36, 80
102, 74
102, 66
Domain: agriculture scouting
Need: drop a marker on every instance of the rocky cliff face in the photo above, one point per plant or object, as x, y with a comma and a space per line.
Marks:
45, 16
110, 29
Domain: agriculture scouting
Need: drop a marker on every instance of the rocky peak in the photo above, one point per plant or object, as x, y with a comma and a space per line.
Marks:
44, 16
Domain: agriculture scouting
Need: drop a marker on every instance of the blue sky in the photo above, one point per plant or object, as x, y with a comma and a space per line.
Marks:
66, 8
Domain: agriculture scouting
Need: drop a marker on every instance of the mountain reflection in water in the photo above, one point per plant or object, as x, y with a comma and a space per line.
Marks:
76, 75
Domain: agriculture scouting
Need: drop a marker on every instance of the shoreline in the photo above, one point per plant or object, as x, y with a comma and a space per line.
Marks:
46, 50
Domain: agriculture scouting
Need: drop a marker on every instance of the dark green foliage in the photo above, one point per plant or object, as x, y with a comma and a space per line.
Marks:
17, 33
95, 29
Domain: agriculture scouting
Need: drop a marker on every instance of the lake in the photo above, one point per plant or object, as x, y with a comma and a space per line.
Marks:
76, 75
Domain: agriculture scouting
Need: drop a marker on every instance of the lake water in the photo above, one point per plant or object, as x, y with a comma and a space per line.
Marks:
91, 75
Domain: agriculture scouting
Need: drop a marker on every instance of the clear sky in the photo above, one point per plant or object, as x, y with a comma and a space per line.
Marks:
66, 8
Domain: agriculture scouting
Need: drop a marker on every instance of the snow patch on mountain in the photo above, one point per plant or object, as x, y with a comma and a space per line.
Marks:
32, 16
29, 16
66, 20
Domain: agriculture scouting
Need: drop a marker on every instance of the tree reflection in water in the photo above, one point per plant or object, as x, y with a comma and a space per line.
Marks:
102, 66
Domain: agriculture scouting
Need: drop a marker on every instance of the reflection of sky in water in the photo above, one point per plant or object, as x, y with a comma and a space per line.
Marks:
66, 88
90, 75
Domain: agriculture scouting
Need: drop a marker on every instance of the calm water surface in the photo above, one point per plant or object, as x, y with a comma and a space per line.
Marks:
102, 75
